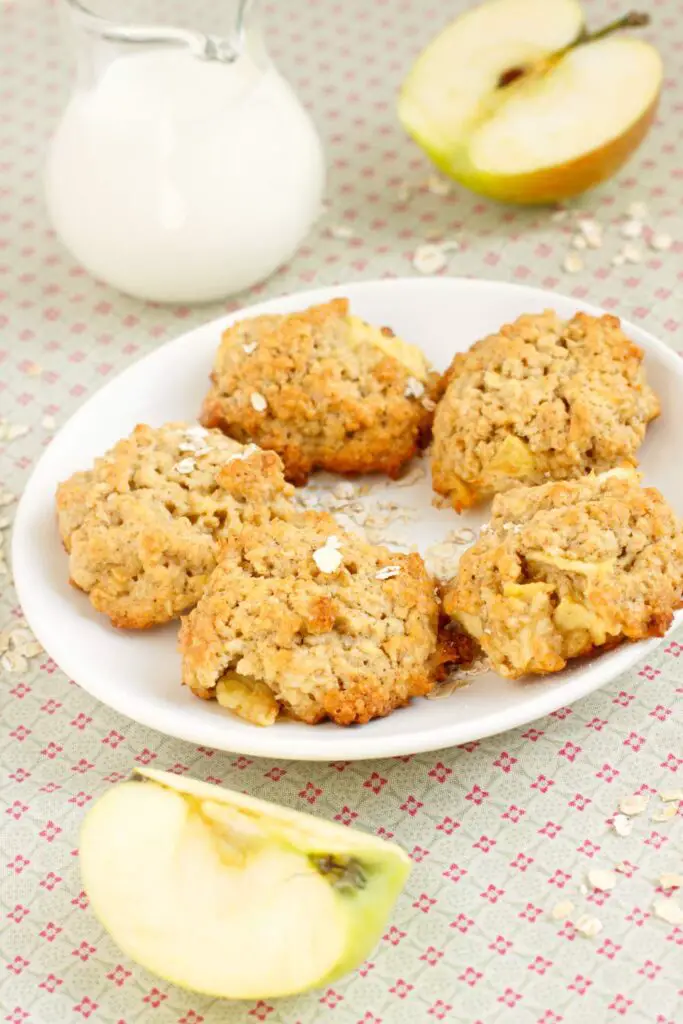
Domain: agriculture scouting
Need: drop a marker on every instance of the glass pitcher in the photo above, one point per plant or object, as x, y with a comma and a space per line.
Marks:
184, 167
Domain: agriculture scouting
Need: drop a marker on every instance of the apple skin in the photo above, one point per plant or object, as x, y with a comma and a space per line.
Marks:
551, 184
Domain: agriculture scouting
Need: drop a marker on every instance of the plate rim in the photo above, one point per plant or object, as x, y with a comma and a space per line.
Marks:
350, 744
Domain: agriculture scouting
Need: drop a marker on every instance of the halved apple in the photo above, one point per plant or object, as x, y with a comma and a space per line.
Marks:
517, 102
232, 896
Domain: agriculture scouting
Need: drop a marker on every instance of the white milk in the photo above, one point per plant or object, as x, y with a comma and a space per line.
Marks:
179, 179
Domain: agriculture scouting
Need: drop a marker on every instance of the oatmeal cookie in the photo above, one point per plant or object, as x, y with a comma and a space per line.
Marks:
307, 620
542, 399
143, 526
567, 568
323, 389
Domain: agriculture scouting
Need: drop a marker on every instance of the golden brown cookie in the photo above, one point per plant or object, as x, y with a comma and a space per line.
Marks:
144, 525
324, 389
542, 399
568, 568
308, 620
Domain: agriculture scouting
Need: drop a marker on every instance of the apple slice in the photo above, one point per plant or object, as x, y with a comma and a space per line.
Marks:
517, 102
233, 896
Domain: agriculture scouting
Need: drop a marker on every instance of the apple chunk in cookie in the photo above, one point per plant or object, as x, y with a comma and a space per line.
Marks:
569, 568
143, 526
232, 896
518, 101
324, 389
307, 620
544, 398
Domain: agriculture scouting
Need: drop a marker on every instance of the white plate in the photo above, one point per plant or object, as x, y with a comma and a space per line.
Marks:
138, 674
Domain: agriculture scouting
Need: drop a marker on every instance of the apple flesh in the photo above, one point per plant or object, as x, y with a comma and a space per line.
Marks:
233, 896
504, 102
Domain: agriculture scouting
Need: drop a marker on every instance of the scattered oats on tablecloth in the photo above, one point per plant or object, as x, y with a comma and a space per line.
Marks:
632, 254
602, 879
637, 210
622, 825
341, 231
671, 880
17, 647
668, 910
437, 185
562, 910
671, 794
661, 242
12, 431
429, 258
665, 813
632, 229
589, 926
633, 805
572, 263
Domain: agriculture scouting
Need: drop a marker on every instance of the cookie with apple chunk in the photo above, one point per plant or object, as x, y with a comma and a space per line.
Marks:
323, 389
569, 568
307, 620
143, 526
544, 398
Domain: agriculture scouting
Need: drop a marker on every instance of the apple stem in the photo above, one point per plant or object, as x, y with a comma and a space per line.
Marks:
634, 19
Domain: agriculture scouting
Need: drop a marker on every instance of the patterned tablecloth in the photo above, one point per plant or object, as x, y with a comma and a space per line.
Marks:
499, 831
